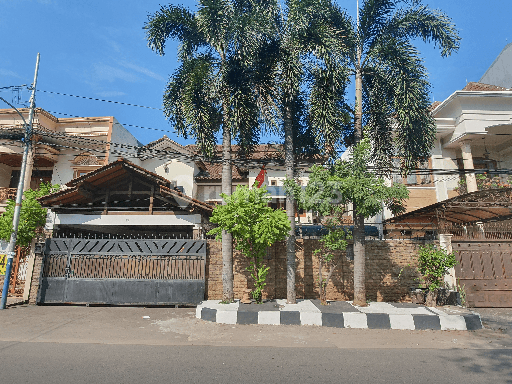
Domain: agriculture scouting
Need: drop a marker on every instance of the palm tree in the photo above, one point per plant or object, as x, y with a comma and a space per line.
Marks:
309, 77
218, 86
392, 90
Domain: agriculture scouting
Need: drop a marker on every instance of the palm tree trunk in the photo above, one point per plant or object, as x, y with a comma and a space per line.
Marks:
290, 206
359, 240
227, 179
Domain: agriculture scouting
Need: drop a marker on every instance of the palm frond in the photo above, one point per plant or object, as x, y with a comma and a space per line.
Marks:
433, 26
176, 23
189, 105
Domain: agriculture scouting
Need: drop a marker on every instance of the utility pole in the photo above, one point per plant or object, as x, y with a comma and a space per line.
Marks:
19, 193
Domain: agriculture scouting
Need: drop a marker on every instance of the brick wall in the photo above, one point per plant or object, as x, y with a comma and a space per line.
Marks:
385, 260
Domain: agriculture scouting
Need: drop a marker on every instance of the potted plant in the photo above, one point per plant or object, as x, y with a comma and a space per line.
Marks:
433, 264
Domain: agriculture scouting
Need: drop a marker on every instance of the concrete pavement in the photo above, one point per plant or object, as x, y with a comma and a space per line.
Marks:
179, 326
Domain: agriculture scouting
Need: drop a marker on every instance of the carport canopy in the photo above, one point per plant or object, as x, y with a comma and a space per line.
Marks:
481, 206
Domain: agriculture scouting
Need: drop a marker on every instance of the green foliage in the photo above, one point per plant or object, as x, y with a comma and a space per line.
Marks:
254, 227
226, 72
395, 91
330, 189
484, 182
335, 240
433, 264
462, 293
32, 215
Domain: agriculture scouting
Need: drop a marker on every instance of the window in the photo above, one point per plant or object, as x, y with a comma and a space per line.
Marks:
273, 182
421, 176
38, 176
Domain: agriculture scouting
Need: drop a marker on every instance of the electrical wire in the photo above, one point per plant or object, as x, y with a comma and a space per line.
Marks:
96, 99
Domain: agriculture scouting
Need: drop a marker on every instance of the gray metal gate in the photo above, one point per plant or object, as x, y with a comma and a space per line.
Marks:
123, 271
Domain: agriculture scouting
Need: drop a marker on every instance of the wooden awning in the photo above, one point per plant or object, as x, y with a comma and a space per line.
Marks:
122, 186
481, 206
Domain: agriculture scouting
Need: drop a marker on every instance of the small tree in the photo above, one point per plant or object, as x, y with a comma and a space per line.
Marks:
32, 215
433, 264
335, 240
254, 226
330, 189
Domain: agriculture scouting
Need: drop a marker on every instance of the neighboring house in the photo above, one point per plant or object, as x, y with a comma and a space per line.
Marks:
122, 198
64, 148
474, 131
500, 71
202, 180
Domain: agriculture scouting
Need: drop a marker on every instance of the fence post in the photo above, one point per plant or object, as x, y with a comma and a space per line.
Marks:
36, 274
30, 269
445, 242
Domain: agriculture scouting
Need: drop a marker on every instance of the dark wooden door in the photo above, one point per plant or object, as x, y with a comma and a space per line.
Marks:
484, 269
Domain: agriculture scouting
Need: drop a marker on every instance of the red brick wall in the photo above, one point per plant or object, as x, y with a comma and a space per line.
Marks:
385, 260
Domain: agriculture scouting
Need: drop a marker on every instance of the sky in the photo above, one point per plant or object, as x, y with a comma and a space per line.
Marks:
97, 50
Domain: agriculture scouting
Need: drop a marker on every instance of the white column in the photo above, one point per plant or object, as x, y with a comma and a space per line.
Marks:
467, 159
445, 242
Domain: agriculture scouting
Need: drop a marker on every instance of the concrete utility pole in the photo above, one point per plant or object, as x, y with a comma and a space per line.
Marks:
19, 193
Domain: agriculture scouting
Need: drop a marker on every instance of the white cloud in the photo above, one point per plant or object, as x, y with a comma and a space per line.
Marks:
111, 74
110, 94
142, 70
9, 73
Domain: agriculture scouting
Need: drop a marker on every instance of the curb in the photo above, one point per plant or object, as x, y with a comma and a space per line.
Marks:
433, 319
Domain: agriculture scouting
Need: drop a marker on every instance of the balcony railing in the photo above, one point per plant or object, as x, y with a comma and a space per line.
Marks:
7, 193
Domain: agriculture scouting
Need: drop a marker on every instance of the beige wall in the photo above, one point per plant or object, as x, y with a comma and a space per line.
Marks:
420, 197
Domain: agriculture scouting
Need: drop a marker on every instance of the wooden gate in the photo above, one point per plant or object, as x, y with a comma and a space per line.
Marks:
484, 269
19, 270
123, 271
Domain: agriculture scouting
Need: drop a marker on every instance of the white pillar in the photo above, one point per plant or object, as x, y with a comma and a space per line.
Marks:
445, 242
467, 160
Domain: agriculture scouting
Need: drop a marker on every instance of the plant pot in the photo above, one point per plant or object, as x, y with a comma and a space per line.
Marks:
417, 295
431, 298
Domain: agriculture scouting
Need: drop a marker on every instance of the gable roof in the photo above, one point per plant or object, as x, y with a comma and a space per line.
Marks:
81, 189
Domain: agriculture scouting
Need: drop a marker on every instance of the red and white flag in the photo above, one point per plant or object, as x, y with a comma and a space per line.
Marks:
261, 176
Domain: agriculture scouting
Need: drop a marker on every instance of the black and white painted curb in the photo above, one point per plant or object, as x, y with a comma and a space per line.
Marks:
338, 314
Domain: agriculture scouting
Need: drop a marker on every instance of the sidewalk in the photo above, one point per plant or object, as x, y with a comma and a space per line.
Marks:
341, 314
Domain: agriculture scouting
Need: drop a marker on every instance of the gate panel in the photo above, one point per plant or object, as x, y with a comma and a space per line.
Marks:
485, 271
120, 271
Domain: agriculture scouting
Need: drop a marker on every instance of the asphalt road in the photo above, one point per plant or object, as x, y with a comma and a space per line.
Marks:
65, 344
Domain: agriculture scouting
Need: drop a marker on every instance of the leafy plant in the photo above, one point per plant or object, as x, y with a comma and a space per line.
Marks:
484, 182
334, 240
254, 227
32, 215
462, 292
433, 265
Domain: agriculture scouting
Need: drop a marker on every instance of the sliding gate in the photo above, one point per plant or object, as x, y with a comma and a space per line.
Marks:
123, 271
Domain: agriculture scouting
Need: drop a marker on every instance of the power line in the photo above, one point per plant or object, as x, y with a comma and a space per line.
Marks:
96, 99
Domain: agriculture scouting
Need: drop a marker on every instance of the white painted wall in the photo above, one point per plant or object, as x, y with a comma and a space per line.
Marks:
121, 135
159, 220
500, 71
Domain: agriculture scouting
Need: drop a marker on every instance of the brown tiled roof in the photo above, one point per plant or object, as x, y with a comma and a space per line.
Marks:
475, 86
214, 172
164, 138
260, 152
434, 105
